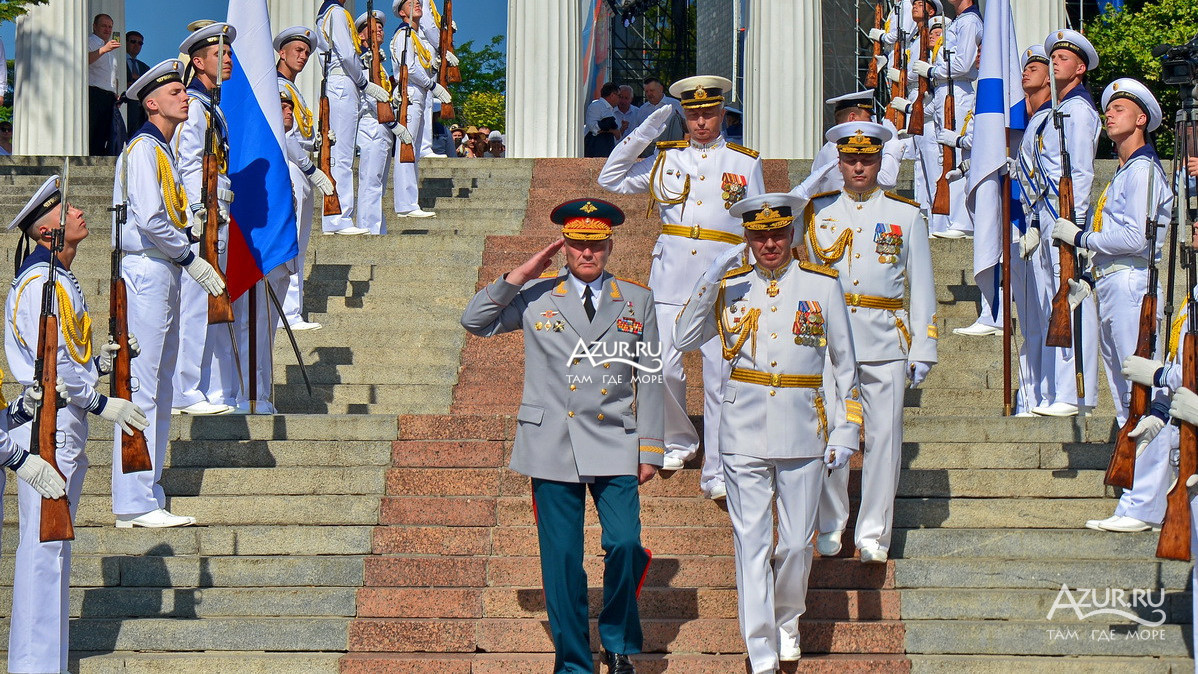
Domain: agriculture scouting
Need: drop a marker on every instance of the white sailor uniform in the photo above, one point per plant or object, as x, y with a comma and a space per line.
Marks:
300, 142
421, 80
345, 84
375, 144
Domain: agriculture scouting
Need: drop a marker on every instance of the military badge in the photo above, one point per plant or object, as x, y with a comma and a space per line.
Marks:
888, 242
809, 324
734, 188
630, 326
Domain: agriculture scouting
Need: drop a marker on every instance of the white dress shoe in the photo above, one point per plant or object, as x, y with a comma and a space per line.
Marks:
1122, 524
203, 407
1096, 525
829, 544
953, 234
418, 213
718, 492
671, 463
788, 647
873, 555
1056, 410
352, 231
978, 329
1025, 415
300, 326
155, 519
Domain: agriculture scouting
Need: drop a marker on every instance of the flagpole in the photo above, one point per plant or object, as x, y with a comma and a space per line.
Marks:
1007, 335
253, 348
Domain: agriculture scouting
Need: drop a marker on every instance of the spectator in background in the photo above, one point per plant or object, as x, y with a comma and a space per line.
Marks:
101, 85
734, 131
134, 68
602, 129
626, 112
495, 147
457, 136
5, 138
655, 98
443, 143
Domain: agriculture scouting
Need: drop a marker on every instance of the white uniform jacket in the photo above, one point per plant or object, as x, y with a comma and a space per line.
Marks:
157, 200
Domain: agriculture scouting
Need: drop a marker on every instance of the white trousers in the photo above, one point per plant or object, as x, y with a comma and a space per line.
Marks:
343, 112
375, 143
38, 632
206, 368
425, 148
682, 441
959, 216
301, 190
406, 179
771, 581
1033, 317
882, 386
1147, 498
1119, 298
153, 287
1060, 382
927, 169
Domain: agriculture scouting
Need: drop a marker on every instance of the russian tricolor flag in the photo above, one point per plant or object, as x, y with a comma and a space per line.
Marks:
262, 234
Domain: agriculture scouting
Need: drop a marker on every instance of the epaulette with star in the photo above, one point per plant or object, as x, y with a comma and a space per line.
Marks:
551, 274
744, 150
635, 283
672, 144
741, 270
905, 200
825, 194
819, 269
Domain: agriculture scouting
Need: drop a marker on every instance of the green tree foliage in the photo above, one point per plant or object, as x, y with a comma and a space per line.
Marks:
11, 9
1125, 40
484, 70
483, 108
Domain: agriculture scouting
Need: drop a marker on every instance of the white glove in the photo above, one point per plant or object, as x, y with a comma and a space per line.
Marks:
401, 132
124, 414
901, 104
134, 347
442, 94
1141, 371
32, 395
332, 137
882, 61
958, 172
451, 59
917, 372
1029, 242
1078, 292
1010, 168
107, 353
836, 457
1184, 405
656, 123
1065, 230
376, 92
894, 75
1148, 428
208, 278
40, 475
728, 260
922, 68
321, 182
876, 34
948, 137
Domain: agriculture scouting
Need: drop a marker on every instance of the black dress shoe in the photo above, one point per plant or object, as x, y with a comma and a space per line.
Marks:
618, 663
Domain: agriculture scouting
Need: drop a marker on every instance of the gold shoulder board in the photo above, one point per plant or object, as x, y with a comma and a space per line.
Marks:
743, 150
743, 269
825, 194
550, 274
621, 279
819, 269
905, 200
672, 144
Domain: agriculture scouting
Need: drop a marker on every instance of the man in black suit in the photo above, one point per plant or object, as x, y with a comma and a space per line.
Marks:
134, 68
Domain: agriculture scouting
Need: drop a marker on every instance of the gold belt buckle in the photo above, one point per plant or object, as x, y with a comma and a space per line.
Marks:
775, 380
694, 232
855, 299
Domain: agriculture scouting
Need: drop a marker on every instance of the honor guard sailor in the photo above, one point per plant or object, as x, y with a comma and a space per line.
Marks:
780, 431
411, 47
878, 242
693, 184
38, 627
375, 140
583, 425
157, 249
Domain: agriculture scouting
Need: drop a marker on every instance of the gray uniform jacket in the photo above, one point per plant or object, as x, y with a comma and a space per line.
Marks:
582, 378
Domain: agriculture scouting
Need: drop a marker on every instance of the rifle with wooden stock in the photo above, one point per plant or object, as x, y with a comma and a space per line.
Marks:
56, 522
324, 142
383, 109
407, 153
871, 79
220, 307
942, 201
916, 121
1060, 328
1120, 471
447, 74
1174, 542
135, 454
898, 89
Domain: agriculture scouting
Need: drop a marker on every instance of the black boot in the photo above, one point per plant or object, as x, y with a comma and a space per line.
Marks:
618, 663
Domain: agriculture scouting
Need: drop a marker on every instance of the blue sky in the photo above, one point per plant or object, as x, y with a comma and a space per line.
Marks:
477, 20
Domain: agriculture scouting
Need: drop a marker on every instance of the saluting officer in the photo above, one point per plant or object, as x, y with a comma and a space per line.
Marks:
420, 59
156, 246
825, 172
694, 184
39, 623
1120, 255
878, 242
778, 436
1072, 57
295, 46
577, 428
375, 141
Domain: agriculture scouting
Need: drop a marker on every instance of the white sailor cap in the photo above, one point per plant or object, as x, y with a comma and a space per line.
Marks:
1034, 54
396, 4
295, 34
198, 24
208, 36
1074, 42
939, 21
859, 137
767, 211
1134, 91
937, 4
857, 99
701, 91
43, 201
170, 70
360, 22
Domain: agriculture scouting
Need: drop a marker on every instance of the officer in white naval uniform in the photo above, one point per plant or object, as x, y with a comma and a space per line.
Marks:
422, 88
825, 175
780, 431
956, 59
430, 29
694, 184
206, 379
38, 634
1040, 159
878, 242
295, 46
156, 246
1120, 254
375, 141
347, 85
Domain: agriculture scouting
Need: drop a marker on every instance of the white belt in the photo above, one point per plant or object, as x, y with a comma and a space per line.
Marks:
152, 253
1119, 265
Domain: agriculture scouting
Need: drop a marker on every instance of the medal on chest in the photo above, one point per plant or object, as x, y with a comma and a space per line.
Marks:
733, 189
631, 326
809, 324
888, 242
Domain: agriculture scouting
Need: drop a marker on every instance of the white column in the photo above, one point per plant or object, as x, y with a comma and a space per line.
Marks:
1035, 19
784, 78
115, 9
544, 83
288, 13
51, 80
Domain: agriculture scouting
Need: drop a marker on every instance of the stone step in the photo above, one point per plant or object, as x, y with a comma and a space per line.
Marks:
293, 634
290, 481
410, 374
1000, 664
1050, 574
245, 662
208, 602
1030, 605
942, 454
259, 540
1061, 637
243, 510
647, 663
260, 453
92, 571
1028, 544
383, 399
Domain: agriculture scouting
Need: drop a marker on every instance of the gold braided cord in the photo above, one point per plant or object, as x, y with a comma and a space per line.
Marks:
436, 15
746, 328
1175, 331
1097, 224
821, 415
836, 250
173, 195
658, 195
422, 52
303, 115
3, 402
76, 329
386, 81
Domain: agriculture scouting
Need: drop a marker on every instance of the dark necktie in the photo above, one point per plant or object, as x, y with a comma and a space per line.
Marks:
587, 304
